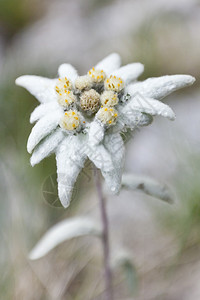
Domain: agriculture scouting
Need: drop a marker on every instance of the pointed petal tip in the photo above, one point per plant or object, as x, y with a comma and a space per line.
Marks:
64, 195
115, 55
188, 79
33, 160
32, 256
191, 79
19, 80
169, 114
29, 148
139, 65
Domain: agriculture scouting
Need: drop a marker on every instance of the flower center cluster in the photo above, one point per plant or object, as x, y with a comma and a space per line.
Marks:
92, 95
97, 76
114, 83
70, 121
107, 115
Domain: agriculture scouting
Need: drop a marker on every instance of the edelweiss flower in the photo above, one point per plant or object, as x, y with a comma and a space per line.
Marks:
82, 117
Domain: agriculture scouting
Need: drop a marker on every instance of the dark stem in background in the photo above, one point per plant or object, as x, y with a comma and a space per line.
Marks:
105, 237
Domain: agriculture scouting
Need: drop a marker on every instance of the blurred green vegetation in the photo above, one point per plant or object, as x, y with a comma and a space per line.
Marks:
15, 15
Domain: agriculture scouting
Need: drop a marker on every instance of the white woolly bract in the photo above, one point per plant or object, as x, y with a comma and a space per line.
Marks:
42, 110
109, 63
132, 119
100, 156
160, 87
149, 106
103, 145
40, 87
47, 146
63, 231
148, 186
43, 128
70, 158
129, 72
115, 146
96, 133
67, 70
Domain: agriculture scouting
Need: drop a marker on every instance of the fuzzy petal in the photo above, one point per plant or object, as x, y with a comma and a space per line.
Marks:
63, 231
148, 106
70, 159
133, 120
42, 110
40, 87
42, 128
96, 133
100, 156
115, 145
149, 186
47, 146
160, 87
109, 63
129, 72
67, 70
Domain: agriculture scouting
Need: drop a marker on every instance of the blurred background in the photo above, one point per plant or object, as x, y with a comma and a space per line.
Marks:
163, 241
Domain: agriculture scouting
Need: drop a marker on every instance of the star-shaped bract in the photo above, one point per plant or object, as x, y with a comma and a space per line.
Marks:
121, 102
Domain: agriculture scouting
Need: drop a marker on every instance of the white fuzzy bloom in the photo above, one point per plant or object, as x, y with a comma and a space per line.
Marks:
82, 117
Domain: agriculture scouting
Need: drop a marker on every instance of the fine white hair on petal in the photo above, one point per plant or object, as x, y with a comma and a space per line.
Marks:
149, 106
42, 110
40, 87
42, 128
133, 119
63, 231
67, 70
96, 133
70, 158
100, 156
115, 145
147, 185
47, 146
109, 63
129, 72
160, 87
